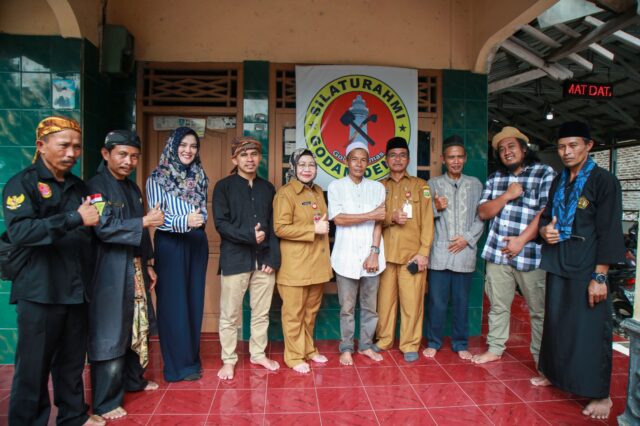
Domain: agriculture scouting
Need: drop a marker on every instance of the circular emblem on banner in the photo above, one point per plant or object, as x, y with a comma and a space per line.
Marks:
354, 108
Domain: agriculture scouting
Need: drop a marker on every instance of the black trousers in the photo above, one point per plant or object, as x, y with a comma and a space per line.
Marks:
576, 354
51, 339
110, 379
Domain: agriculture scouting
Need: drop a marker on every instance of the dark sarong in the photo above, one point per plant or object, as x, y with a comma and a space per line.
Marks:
576, 346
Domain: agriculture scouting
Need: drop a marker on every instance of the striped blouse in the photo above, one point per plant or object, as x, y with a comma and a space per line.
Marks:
176, 210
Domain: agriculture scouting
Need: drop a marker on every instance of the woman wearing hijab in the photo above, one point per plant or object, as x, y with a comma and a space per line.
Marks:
179, 185
300, 220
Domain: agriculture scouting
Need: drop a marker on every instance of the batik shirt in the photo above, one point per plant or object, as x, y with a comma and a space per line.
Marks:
517, 214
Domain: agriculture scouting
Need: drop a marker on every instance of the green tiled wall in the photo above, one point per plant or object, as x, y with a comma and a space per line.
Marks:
28, 67
464, 112
256, 108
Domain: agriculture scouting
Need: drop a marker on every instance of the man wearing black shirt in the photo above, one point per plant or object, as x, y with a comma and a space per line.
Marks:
118, 314
249, 253
582, 229
48, 210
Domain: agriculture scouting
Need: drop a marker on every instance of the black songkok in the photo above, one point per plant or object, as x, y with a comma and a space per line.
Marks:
574, 129
397, 142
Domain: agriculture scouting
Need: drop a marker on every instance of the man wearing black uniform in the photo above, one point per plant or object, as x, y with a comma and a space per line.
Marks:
48, 210
120, 313
582, 228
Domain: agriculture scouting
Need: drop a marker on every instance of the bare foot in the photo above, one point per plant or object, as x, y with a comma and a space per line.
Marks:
598, 408
430, 352
485, 357
151, 386
95, 420
303, 368
540, 380
346, 358
267, 363
226, 372
465, 354
319, 358
371, 354
116, 413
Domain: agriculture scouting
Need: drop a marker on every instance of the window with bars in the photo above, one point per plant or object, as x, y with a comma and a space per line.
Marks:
190, 87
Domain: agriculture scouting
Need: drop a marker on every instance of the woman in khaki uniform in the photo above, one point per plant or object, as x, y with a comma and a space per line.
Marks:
300, 221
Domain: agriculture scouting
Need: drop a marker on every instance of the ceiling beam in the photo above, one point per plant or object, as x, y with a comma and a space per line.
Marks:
555, 71
516, 80
595, 35
595, 47
625, 117
618, 35
617, 6
632, 73
543, 38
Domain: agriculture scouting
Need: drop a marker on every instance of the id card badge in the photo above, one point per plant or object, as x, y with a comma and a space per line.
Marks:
407, 208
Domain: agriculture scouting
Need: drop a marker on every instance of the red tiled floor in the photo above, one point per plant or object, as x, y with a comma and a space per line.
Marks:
483, 393
297, 419
383, 376
231, 401
462, 416
393, 397
351, 418
343, 399
292, 401
424, 374
235, 420
177, 420
186, 402
468, 373
417, 417
336, 377
445, 390
442, 395
563, 413
513, 414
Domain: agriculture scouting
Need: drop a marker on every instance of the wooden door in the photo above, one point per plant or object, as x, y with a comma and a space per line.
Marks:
215, 155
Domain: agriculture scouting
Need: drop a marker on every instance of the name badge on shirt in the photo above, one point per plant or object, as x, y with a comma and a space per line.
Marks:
306, 203
408, 209
583, 203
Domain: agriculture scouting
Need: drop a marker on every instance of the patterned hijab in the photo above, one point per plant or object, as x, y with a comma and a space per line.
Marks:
292, 173
188, 183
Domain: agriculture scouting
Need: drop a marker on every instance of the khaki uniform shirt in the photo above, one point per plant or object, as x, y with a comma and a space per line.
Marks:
402, 242
305, 255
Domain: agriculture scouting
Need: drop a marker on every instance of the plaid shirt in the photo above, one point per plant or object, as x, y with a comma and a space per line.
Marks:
517, 214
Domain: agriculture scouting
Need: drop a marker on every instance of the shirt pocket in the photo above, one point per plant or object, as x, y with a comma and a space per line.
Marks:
530, 197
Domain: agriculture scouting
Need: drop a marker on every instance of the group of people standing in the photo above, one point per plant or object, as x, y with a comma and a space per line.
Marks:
85, 289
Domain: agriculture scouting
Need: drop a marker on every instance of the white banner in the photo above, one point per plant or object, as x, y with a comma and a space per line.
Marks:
336, 105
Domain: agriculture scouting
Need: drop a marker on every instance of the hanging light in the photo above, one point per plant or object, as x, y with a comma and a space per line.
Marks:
549, 115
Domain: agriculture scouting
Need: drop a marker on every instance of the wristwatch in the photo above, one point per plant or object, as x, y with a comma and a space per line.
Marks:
599, 277
375, 250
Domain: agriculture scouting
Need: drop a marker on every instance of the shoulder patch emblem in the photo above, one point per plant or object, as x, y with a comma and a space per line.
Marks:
15, 201
45, 190
583, 203
425, 192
